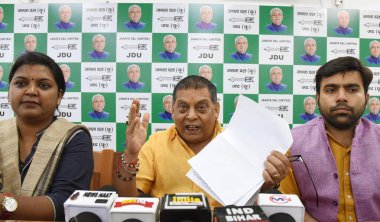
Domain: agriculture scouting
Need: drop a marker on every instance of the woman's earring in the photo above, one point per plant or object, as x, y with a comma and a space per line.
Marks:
56, 112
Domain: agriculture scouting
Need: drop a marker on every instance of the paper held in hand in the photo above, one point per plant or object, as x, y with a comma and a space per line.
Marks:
230, 167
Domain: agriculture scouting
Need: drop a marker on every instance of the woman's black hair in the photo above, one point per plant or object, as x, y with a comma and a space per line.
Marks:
36, 58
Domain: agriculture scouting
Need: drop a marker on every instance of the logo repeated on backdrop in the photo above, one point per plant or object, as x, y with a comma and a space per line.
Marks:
113, 53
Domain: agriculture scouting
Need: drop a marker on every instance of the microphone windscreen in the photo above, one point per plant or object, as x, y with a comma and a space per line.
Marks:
281, 217
233, 213
273, 204
97, 202
85, 217
134, 209
132, 220
108, 188
185, 207
144, 195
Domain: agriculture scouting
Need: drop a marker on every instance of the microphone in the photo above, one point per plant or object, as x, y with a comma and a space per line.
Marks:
233, 213
282, 207
135, 209
185, 207
281, 217
144, 195
132, 220
84, 204
85, 217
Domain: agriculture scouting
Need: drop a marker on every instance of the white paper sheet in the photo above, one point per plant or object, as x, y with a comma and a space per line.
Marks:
230, 167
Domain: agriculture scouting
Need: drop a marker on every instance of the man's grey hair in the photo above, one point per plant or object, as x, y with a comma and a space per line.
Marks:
373, 99
167, 36
241, 37
26, 37
204, 66
98, 35
166, 97
342, 11
97, 95
274, 67
63, 7
64, 66
275, 9
132, 66
307, 98
133, 6
308, 39
204, 7
373, 41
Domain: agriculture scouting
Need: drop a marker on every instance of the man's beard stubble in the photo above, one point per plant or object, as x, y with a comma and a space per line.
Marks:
332, 119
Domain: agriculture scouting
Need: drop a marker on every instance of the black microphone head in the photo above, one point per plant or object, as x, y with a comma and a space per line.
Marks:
108, 188
185, 207
85, 217
239, 213
132, 220
144, 195
281, 217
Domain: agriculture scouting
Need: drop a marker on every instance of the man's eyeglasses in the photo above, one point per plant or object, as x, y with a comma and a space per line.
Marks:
295, 158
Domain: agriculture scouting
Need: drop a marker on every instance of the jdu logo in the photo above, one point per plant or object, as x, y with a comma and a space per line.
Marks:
279, 199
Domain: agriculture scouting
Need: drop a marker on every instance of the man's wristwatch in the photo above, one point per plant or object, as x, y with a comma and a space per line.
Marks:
8, 206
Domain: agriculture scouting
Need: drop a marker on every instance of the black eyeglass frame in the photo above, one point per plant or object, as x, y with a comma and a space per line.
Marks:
296, 158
